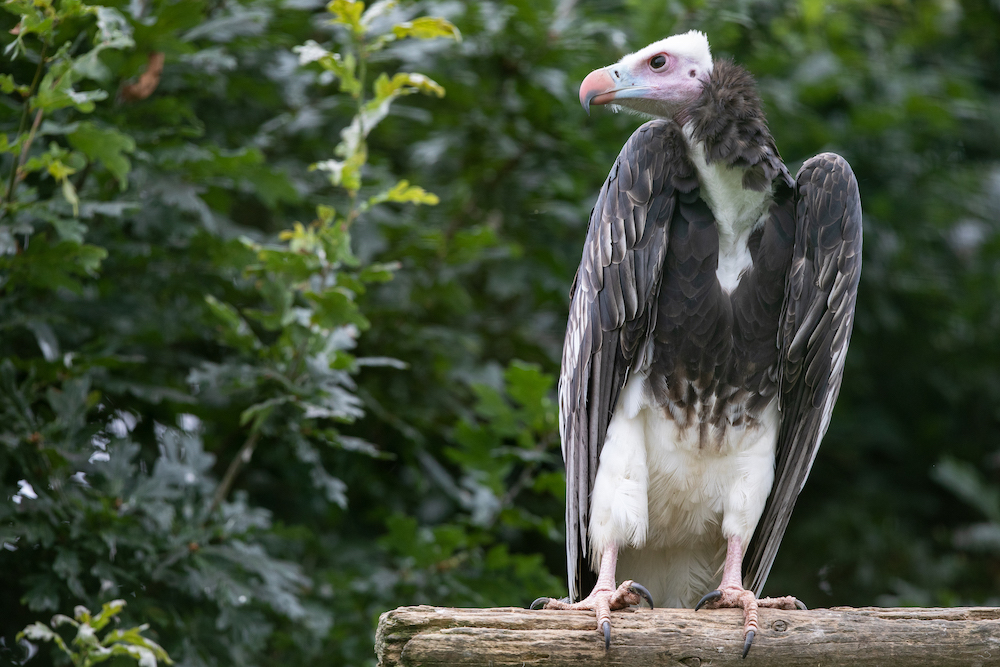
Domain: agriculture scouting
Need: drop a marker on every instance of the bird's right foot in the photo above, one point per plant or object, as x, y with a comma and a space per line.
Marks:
602, 601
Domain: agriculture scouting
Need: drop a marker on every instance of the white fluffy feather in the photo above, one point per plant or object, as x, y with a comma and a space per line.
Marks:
692, 46
670, 502
737, 212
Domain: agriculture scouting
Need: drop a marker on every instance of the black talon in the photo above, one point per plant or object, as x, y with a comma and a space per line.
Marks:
639, 589
606, 626
544, 601
799, 604
747, 643
709, 597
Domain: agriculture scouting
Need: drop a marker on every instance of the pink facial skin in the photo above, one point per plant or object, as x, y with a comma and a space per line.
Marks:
654, 81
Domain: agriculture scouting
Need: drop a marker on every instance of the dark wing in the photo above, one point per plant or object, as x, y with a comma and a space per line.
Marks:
813, 335
612, 311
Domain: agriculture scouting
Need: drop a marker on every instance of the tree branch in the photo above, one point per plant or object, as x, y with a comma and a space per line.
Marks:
19, 162
842, 636
242, 458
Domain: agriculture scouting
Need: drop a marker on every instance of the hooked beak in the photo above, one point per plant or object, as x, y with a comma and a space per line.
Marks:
604, 85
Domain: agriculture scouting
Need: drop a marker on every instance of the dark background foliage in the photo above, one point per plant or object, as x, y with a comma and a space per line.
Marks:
448, 489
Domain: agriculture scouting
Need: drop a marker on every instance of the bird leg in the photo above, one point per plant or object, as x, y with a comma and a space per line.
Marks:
732, 594
605, 598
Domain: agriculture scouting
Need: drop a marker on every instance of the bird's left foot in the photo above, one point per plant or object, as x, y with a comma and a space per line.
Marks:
738, 597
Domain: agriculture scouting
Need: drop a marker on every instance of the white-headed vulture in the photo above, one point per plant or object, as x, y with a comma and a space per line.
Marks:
708, 326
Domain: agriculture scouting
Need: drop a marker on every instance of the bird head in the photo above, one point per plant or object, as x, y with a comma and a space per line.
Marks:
659, 80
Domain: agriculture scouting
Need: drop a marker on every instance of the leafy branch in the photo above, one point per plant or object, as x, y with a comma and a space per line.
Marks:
53, 89
85, 649
310, 281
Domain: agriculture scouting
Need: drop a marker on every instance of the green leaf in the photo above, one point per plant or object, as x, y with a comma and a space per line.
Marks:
403, 83
91, 651
57, 162
347, 12
426, 27
8, 86
335, 308
145, 651
69, 229
108, 611
115, 32
69, 193
272, 187
37, 18
39, 632
235, 331
260, 411
106, 145
530, 388
526, 383
278, 295
346, 173
36, 631
378, 10
46, 338
403, 192
493, 407
47, 341
326, 214
300, 239
343, 67
62, 619
378, 273
296, 266
59, 171
56, 92
337, 245
50, 266
89, 258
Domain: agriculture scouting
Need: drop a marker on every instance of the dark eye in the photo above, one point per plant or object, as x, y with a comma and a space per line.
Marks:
657, 62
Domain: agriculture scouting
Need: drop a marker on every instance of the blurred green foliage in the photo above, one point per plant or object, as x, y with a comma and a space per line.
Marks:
85, 649
262, 433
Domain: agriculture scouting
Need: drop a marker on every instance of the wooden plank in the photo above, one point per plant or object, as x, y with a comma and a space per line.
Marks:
842, 636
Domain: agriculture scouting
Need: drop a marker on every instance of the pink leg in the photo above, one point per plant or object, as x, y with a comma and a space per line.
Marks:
605, 597
732, 594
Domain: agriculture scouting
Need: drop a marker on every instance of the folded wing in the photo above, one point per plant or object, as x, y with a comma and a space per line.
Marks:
813, 335
612, 311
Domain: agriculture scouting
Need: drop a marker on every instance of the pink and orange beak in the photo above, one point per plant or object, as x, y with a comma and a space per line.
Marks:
605, 85
597, 88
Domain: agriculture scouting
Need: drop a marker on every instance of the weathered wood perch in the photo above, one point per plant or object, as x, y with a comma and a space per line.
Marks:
842, 636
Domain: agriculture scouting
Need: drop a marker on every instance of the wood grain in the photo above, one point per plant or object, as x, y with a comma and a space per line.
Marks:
842, 636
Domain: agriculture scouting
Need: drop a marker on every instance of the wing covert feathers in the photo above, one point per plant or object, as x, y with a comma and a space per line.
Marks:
612, 311
813, 336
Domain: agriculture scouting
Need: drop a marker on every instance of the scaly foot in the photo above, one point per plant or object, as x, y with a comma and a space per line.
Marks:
739, 597
602, 601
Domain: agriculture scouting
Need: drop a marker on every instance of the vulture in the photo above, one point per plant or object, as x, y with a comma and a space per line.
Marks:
708, 327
